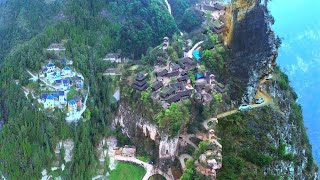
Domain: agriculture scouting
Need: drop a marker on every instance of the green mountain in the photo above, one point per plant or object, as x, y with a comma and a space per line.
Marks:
31, 137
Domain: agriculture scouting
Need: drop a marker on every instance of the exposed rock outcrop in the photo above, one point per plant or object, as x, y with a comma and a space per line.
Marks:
132, 123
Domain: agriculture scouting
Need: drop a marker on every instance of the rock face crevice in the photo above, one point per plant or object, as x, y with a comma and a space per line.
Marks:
132, 124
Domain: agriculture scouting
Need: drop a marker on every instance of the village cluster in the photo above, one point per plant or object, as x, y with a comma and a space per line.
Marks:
61, 81
56, 84
172, 81
215, 16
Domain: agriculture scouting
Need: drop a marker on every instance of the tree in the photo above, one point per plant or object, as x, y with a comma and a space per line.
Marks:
173, 117
88, 114
217, 98
191, 20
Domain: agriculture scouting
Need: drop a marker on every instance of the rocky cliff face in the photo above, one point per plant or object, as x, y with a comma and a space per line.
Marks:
133, 125
253, 52
252, 48
290, 130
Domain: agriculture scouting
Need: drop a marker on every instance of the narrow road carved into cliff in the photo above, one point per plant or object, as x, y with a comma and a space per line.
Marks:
260, 94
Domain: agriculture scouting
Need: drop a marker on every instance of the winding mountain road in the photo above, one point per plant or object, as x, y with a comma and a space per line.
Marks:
185, 140
182, 159
260, 94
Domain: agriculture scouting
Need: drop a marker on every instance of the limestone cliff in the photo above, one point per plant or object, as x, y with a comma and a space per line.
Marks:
289, 130
133, 124
280, 147
252, 47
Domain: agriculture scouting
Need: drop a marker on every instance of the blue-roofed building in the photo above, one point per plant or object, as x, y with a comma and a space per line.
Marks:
56, 99
66, 68
72, 102
55, 95
63, 60
79, 82
44, 97
196, 54
62, 98
49, 103
50, 67
66, 71
61, 93
66, 82
58, 82
49, 97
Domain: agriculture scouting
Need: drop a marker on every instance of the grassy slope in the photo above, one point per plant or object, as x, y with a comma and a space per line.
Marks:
125, 171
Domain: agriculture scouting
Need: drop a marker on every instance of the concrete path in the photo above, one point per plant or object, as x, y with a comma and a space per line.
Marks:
150, 170
189, 54
45, 82
169, 7
183, 158
205, 123
260, 93
228, 113
185, 140
78, 115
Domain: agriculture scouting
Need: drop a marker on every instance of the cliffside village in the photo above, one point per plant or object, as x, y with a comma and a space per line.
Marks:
172, 83
214, 14
172, 79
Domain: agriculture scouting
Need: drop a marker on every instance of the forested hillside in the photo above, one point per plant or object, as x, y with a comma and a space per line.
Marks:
91, 28
186, 17
22, 20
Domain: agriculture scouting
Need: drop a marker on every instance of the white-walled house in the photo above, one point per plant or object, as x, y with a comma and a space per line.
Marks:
62, 97
113, 57
72, 107
49, 102
50, 67
66, 71
56, 47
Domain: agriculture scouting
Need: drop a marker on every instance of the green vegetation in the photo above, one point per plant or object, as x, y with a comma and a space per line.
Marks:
241, 144
217, 98
72, 94
247, 149
179, 8
190, 170
191, 20
214, 59
173, 118
282, 79
145, 25
144, 158
20, 21
90, 29
192, 77
125, 171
